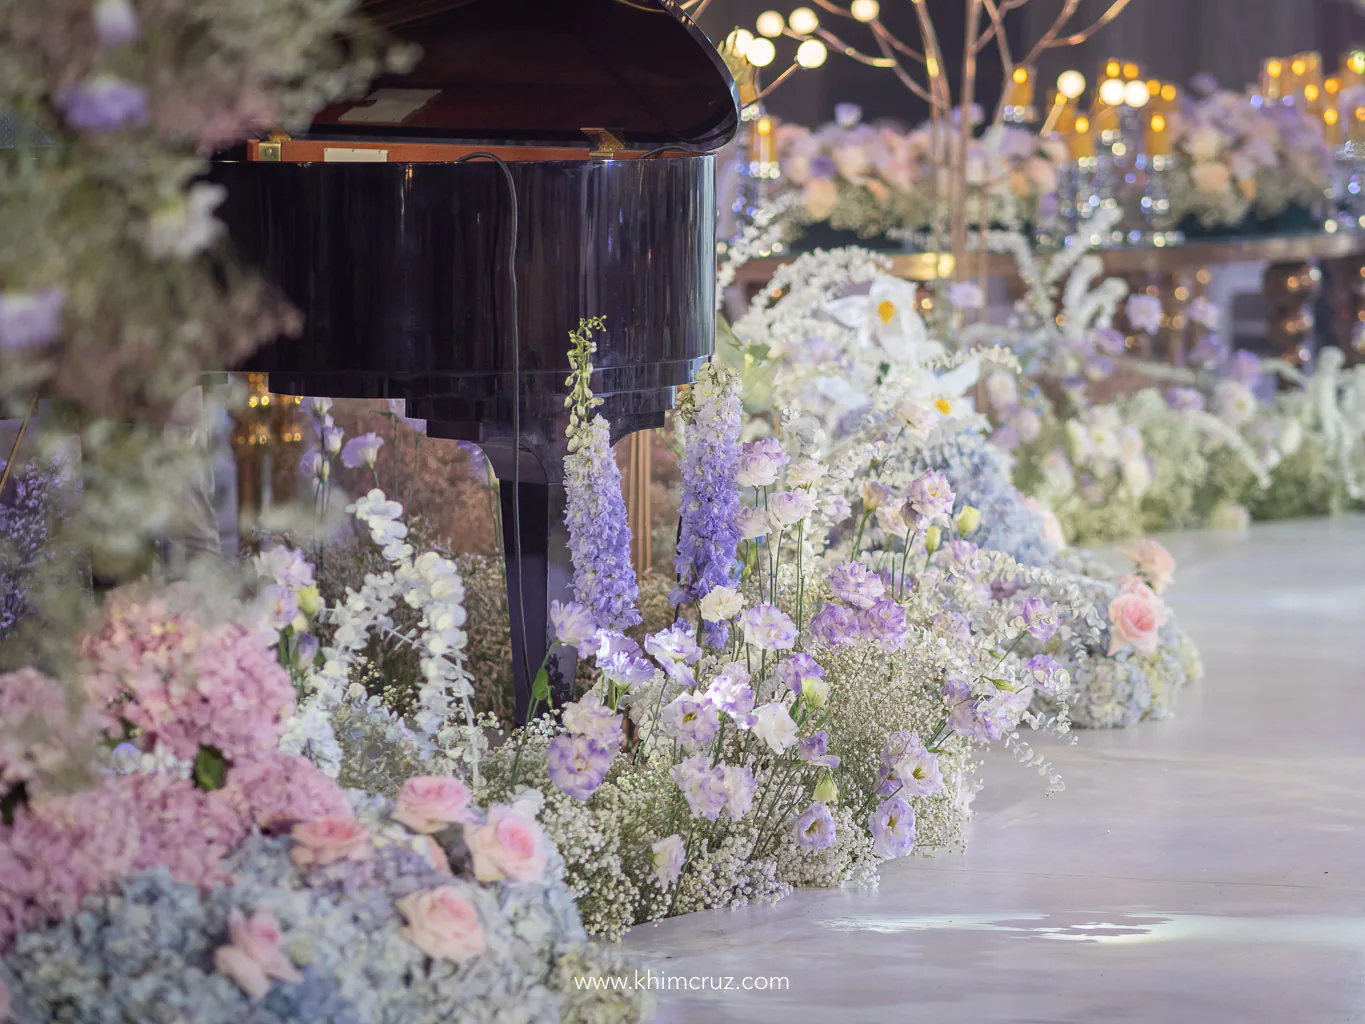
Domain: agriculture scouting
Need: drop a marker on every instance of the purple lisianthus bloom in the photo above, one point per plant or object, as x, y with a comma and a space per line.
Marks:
966, 295
960, 553
620, 659
814, 749
739, 784
702, 786
981, 718
855, 583
574, 626
769, 628
30, 319
691, 720
1245, 368
876, 494
835, 625
815, 828
283, 605
313, 465
928, 501
1005, 438
361, 451
1047, 674
760, 461
730, 691
752, 523
1185, 398
1205, 313
1209, 351
886, 623
951, 623
104, 104
787, 508
1003, 590
680, 672
1144, 313
1109, 341
917, 769
578, 764
676, 643
823, 168
1039, 618
306, 649
591, 718
893, 829
795, 670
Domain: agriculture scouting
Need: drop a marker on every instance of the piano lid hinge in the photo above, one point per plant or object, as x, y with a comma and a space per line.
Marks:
270, 150
606, 142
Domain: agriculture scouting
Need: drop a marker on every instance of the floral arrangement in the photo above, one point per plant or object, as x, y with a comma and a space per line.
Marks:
31, 511
880, 180
1237, 155
205, 868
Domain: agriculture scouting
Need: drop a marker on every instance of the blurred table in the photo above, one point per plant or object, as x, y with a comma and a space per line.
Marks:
1296, 268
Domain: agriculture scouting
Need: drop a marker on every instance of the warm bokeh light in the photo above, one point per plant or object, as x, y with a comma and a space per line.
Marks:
865, 10
803, 21
1082, 125
1310, 92
761, 53
1158, 123
1330, 116
1274, 69
811, 53
1113, 69
1135, 94
1111, 91
1071, 84
1356, 62
1299, 66
771, 24
739, 41
1168, 92
1020, 75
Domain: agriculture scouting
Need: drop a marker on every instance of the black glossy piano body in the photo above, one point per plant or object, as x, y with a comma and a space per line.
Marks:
420, 278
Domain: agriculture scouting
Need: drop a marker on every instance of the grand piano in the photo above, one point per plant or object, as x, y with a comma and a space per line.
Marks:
420, 276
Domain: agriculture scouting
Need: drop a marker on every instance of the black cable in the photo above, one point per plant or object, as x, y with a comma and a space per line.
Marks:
670, 148
516, 405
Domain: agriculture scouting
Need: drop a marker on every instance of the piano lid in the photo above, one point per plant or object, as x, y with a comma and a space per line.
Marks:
542, 71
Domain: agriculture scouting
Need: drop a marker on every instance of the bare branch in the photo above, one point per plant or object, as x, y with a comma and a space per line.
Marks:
1067, 13
884, 42
1075, 40
854, 52
775, 83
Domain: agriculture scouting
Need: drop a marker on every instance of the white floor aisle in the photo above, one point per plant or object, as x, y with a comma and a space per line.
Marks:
1206, 869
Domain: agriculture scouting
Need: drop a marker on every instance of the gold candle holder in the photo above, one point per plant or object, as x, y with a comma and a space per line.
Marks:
1158, 136
1272, 79
1082, 141
1019, 107
1331, 126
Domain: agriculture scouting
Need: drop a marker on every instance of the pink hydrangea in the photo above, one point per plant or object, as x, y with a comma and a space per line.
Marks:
279, 789
41, 735
186, 684
183, 829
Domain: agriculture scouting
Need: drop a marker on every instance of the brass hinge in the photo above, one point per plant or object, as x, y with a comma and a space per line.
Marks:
269, 150
606, 143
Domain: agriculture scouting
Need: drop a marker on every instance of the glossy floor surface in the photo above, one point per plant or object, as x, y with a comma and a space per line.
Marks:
1205, 869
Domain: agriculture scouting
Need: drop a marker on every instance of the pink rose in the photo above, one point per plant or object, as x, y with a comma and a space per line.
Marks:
1135, 619
1153, 562
429, 803
443, 923
256, 953
507, 846
325, 840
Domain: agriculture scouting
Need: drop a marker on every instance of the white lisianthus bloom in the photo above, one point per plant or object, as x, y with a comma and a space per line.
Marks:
774, 726
721, 603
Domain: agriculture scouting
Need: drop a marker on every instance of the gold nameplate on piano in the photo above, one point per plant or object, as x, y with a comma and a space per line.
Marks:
605, 143
345, 155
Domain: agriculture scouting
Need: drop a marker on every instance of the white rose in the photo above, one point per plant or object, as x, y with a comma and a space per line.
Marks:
774, 726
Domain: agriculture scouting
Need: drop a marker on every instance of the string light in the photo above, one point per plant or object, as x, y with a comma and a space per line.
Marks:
761, 53
1071, 84
1136, 94
803, 21
865, 10
811, 53
771, 24
1111, 91
1168, 92
739, 41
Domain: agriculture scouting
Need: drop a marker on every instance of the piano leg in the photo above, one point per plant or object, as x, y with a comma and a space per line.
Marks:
543, 574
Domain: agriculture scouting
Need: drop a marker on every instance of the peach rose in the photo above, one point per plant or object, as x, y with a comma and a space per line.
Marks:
1211, 177
428, 803
1153, 562
443, 923
1134, 621
256, 953
507, 846
325, 840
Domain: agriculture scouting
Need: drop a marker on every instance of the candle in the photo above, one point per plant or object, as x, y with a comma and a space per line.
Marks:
1019, 94
1158, 135
1331, 123
1082, 142
1272, 79
1061, 118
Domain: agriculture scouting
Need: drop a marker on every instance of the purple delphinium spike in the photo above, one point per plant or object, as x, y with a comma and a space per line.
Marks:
709, 531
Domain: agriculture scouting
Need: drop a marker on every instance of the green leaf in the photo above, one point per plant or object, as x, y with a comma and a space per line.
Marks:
540, 689
210, 769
